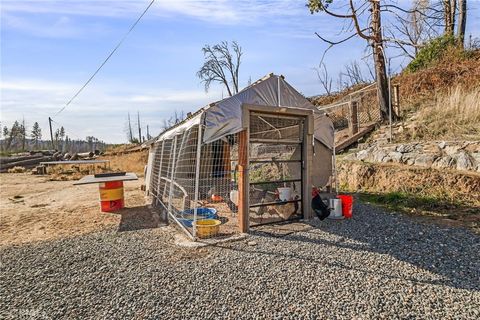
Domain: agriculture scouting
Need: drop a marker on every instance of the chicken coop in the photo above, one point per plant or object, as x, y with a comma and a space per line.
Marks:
247, 160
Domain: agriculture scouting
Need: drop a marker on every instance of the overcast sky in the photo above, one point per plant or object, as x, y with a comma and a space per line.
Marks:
50, 48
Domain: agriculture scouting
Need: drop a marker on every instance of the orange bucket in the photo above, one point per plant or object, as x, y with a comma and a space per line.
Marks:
347, 205
111, 196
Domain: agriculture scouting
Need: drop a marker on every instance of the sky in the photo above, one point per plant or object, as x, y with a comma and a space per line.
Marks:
50, 48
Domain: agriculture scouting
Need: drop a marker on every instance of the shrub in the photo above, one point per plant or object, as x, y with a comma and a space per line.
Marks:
431, 53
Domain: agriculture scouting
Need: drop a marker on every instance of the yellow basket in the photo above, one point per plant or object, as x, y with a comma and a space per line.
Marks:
208, 228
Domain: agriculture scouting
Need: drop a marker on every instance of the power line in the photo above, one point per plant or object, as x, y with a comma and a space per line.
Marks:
106, 59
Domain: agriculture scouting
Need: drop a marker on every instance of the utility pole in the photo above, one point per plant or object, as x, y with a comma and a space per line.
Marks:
139, 128
148, 133
51, 132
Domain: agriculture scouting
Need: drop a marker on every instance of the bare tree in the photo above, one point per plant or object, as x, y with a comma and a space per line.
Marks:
462, 21
139, 128
128, 129
221, 65
324, 78
353, 75
414, 27
449, 10
176, 118
369, 10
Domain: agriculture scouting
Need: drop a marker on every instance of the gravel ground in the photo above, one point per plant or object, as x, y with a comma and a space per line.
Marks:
376, 265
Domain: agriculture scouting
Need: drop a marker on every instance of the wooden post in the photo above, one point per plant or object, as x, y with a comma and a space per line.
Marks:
396, 99
243, 191
51, 131
353, 117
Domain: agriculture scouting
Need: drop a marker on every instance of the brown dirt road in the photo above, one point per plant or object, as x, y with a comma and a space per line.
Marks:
32, 208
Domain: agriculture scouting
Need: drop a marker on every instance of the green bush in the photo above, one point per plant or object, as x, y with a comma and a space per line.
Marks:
431, 53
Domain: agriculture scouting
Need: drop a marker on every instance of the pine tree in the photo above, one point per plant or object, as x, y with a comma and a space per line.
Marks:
36, 134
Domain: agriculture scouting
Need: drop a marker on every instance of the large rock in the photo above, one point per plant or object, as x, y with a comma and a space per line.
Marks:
362, 155
424, 160
444, 162
476, 158
451, 150
464, 161
379, 155
395, 156
409, 158
405, 148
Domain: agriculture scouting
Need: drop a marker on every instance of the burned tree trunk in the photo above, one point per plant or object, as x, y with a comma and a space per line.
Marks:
379, 61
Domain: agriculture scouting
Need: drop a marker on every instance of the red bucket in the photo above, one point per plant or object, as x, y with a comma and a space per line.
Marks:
347, 205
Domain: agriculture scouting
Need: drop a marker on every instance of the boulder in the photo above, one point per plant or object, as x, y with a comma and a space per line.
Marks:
444, 162
379, 155
362, 155
424, 160
476, 158
409, 158
464, 161
405, 148
395, 156
451, 150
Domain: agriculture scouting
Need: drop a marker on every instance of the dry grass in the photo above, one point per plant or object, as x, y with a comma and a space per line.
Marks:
453, 69
453, 115
129, 162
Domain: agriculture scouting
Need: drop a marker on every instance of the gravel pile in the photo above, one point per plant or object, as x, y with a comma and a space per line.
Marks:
372, 266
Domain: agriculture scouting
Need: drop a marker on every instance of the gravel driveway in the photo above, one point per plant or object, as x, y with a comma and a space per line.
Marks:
372, 266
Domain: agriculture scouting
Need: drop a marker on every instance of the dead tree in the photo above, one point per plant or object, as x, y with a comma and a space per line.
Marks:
462, 21
371, 33
412, 28
353, 74
449, 9
221, 65
324, 78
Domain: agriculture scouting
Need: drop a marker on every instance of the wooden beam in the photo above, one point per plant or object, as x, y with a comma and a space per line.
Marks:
351, 140
353, 117
396, 99
243, 191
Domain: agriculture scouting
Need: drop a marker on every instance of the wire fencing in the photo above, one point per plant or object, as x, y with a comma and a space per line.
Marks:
195, 183
355, 111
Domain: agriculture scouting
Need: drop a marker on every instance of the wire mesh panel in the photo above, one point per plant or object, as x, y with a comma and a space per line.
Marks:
354, 112
275, 168
196, 183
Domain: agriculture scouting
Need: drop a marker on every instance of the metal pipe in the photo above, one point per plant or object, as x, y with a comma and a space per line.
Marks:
171, 176
197, 179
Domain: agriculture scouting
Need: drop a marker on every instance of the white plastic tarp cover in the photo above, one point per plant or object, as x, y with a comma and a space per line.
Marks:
225, 117
170, 134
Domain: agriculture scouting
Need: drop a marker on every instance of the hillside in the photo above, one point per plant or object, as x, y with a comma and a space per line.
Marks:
432, 165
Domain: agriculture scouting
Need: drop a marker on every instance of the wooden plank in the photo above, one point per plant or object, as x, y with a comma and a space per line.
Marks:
351, 140
274, 203
275, 181
243, 181
275, 141
276, 160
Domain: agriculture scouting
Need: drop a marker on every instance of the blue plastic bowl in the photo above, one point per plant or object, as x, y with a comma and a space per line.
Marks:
186, 216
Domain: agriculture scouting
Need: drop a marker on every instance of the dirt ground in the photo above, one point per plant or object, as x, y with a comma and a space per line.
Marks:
32, 208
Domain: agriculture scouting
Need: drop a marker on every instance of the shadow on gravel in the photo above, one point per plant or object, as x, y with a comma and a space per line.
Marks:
451, 253
136, 218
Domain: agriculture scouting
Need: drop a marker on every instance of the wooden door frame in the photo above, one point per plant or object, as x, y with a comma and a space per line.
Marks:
244, 158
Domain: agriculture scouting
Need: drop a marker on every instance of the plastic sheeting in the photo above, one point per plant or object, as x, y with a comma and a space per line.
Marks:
187, 124
225, 117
